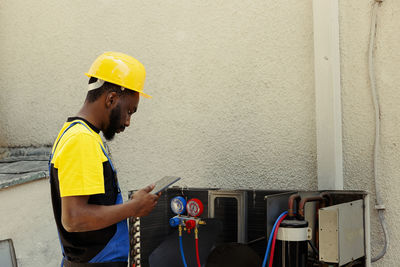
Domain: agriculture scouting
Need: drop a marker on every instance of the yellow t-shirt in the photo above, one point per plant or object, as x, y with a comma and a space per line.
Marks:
79, 158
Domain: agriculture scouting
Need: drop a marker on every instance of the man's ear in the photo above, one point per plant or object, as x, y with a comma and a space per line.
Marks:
111, 99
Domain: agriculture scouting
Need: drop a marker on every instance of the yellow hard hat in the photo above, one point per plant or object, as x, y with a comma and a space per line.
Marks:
120, 69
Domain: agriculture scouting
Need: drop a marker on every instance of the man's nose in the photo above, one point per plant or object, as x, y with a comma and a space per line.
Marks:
128, 121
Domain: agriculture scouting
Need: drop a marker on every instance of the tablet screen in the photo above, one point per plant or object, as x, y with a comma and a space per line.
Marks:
164, 183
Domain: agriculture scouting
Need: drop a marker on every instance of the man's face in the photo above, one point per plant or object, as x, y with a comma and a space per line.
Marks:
120, 115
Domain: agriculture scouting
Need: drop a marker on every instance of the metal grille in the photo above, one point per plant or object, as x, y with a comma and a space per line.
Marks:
134, 233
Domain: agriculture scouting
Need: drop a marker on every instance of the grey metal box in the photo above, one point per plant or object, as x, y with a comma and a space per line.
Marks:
341, 232
7, 254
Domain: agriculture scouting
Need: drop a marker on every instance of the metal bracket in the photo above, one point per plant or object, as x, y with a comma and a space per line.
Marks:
241, 198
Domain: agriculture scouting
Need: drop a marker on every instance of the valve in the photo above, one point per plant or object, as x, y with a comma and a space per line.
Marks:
190, 224
174, 222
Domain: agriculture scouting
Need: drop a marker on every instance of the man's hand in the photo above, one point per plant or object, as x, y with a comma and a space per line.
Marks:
143, 201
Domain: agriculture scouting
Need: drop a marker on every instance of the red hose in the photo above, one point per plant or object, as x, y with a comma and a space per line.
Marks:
271, 257
197, 252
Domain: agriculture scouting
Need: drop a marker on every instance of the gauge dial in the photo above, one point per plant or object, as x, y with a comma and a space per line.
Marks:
194, 207
178, 205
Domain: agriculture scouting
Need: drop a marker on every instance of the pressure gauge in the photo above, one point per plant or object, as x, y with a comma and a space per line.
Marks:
178, 205
194, 207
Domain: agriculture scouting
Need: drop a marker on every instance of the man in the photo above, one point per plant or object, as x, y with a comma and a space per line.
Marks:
87, 203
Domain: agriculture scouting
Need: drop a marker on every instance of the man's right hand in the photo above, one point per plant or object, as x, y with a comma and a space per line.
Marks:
143, 201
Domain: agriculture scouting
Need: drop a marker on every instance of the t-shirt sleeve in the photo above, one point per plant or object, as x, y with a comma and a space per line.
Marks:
80, 167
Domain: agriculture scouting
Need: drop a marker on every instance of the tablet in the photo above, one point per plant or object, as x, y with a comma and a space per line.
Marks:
164, 183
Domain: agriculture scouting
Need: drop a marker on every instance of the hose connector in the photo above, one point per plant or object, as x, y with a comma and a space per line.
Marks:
196, 233
180, 230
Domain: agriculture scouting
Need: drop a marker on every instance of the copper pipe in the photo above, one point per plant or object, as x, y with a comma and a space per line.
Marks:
328, 199
292, 198
308, 199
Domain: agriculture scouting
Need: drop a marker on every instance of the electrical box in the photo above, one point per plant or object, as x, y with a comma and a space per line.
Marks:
341, 233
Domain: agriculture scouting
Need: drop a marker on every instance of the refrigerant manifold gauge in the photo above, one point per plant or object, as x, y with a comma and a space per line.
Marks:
178, 205
194, 207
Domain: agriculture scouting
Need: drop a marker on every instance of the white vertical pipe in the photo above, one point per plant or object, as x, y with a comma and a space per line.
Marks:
367, 232
328, 94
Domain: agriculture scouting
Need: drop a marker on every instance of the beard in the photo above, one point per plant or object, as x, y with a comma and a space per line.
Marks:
114, 125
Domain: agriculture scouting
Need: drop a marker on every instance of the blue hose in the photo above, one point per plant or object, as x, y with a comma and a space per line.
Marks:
182, 254
271, 235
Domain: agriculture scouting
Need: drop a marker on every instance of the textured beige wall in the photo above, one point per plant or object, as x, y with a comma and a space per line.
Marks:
233, 89
26, 218
358, 111
232, 84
